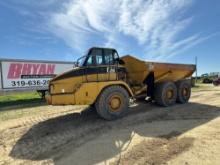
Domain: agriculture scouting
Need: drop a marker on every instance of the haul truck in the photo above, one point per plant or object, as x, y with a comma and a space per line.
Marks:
108, 82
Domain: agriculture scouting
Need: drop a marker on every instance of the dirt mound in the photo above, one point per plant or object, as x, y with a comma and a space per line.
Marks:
156, 151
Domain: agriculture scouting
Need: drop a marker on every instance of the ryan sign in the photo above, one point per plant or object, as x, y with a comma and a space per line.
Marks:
30, 74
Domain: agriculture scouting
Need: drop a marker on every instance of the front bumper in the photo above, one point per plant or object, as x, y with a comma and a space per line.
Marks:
60, 99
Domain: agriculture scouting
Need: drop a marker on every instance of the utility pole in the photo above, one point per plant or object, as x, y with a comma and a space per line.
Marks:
196, 61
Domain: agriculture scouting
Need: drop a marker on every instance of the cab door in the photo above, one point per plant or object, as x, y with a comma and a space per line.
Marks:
93, 61
110, 64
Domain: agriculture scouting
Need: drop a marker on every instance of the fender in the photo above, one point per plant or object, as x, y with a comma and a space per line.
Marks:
89, 92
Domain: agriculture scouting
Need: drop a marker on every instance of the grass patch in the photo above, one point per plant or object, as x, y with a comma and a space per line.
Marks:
22, 99
19, 96
196, 88
204, 87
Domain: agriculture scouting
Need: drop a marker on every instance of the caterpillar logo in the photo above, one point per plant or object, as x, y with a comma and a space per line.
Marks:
17, 69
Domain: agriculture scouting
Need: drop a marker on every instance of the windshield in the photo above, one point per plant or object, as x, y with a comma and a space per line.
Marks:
81, 61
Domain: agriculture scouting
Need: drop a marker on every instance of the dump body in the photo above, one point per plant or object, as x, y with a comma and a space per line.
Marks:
138, 70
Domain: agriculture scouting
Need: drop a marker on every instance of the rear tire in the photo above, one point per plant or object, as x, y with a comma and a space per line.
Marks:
112, 103
165, 94
183, 91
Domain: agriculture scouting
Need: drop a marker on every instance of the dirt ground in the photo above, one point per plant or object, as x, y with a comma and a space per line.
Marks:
181, 134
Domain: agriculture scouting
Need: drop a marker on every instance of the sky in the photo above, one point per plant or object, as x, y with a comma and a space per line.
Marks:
174, 31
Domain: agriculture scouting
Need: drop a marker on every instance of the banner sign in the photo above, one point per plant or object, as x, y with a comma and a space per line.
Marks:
30, 74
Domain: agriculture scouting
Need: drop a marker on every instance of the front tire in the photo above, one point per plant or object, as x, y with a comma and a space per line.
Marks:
165, 94
112, 103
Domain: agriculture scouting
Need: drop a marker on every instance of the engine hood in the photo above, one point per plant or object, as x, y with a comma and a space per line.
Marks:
68, 74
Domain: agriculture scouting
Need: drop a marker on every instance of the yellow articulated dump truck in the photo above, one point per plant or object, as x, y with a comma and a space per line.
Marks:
109, 83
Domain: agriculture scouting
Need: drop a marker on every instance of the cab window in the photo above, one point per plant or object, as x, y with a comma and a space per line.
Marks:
99, 60
108, 54
101, 57
115, 55
94, 57
90, 61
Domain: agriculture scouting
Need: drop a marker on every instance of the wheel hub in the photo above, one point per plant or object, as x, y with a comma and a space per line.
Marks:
169, 94
115, 103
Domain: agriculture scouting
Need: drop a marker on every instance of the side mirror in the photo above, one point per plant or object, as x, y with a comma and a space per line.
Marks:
121, 62
75, 64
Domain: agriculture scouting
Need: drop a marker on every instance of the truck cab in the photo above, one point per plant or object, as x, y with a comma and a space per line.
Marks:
104, 63
96, 70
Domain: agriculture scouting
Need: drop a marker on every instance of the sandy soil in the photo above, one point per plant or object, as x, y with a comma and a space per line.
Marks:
181, 134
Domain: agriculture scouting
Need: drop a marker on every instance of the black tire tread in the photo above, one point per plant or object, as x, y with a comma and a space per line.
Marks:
180, 85
158, 94
101, 102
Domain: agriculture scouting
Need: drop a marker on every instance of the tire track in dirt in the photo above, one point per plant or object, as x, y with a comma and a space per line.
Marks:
51, 136
31, 120
59, 133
